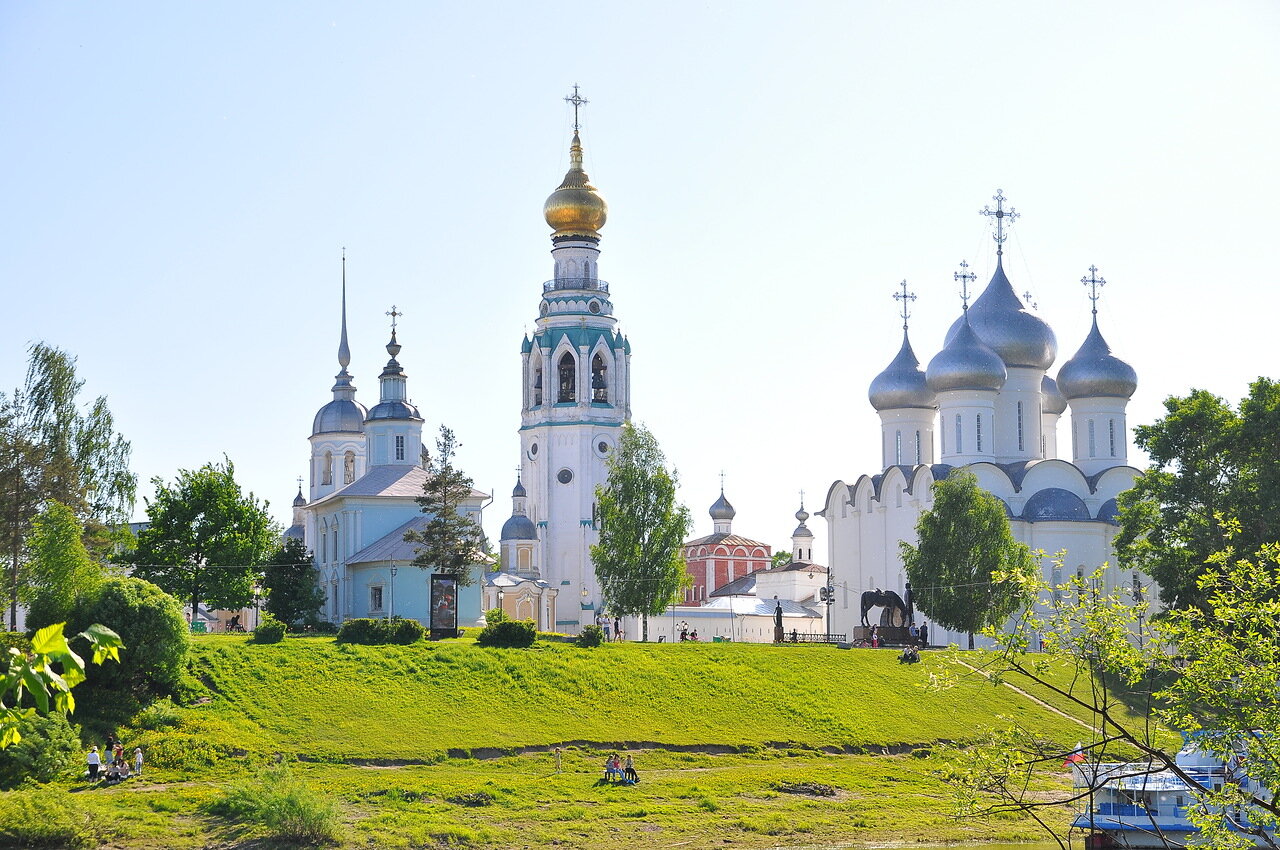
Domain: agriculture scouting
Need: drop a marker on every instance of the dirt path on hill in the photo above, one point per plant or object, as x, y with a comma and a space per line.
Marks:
1036, 700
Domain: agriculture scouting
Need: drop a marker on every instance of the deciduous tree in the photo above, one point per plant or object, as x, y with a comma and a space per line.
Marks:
1211, 466
207, 539
452, 542
53, 446
639, 560
965, 569
60, 570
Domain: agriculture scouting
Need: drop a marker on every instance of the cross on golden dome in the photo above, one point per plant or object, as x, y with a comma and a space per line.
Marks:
578, 101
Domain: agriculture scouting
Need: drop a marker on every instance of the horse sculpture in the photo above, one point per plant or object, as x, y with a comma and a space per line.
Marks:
889, 600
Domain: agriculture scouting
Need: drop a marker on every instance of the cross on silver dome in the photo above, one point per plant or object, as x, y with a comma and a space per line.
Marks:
1000, 214
906, 298
964, 277
578, 101
1094, 282
394, 315
1027, 297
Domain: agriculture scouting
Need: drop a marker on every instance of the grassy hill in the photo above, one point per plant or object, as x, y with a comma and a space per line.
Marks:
316, 699
405, 740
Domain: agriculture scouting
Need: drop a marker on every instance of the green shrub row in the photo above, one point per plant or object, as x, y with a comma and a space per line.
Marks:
374, 632
508, 633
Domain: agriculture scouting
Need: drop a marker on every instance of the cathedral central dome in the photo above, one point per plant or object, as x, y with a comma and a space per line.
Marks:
1002, 322
575, 208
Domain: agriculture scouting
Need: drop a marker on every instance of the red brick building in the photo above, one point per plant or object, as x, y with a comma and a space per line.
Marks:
722, 556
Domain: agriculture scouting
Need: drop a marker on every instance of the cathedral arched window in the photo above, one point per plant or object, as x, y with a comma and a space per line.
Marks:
326, 475
1111, 435
919, 452
523, 560
568, 379
897, 447
348, 467
1020, 441
599, 379
1093, 443
537, 386
959, 440
978, 432
399, 447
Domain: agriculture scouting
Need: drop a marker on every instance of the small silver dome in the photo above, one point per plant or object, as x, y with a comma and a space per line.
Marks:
299, 500
802, 530
902, 383
965, 364
341, 414
519, 527
1054, 401
519, 491
1003, 323
1094, 372
393, 410
722, 510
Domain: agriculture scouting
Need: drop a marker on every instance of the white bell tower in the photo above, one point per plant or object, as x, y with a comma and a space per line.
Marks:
576, 396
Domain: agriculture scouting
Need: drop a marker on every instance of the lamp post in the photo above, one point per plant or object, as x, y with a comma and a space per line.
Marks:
391, 605
500, 608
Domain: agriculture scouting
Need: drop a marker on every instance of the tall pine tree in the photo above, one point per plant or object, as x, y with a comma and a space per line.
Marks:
452, 542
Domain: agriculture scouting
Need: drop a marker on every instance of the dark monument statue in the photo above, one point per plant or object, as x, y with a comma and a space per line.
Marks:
895, 610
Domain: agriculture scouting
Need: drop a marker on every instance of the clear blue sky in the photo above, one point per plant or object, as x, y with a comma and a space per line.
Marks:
180, 178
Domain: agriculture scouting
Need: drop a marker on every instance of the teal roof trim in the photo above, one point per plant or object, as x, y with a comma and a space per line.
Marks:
578, 337
597, 423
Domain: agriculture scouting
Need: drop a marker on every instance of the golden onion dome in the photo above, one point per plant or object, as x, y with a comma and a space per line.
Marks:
575, 208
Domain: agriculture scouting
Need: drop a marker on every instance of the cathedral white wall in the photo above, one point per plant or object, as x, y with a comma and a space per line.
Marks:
976, 416
1022, 385
1106, 444
898, 430
1049, 435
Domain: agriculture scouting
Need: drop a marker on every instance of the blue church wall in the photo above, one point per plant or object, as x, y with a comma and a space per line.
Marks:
408, 595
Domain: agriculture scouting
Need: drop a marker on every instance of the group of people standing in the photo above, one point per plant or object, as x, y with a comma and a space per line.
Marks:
612, 627
112, 765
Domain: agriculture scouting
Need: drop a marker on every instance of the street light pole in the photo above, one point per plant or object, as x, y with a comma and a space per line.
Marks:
391, 606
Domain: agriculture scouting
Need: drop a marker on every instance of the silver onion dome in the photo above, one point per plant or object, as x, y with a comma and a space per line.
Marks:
965, 363
519, 492
519, 527
722, 510
902, 383
1001, 321
1053, 400
1094, 372
393, 410
802, 530
339, 415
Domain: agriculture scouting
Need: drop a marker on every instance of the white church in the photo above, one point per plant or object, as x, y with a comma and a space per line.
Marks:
987, 402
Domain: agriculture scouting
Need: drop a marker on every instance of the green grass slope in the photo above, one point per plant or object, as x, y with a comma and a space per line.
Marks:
313, 698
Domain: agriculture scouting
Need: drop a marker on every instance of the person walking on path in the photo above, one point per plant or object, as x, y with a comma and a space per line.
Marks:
137, 760
95, 762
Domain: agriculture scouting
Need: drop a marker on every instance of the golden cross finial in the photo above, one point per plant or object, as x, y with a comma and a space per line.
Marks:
394, 315
1093, 282
964, 277
1000, 214
905, 297
578, 101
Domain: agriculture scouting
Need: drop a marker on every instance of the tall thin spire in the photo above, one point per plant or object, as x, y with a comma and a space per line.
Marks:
1094, 282
344, 350
1000, 214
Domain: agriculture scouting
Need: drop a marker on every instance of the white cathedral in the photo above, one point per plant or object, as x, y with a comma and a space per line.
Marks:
986, 402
